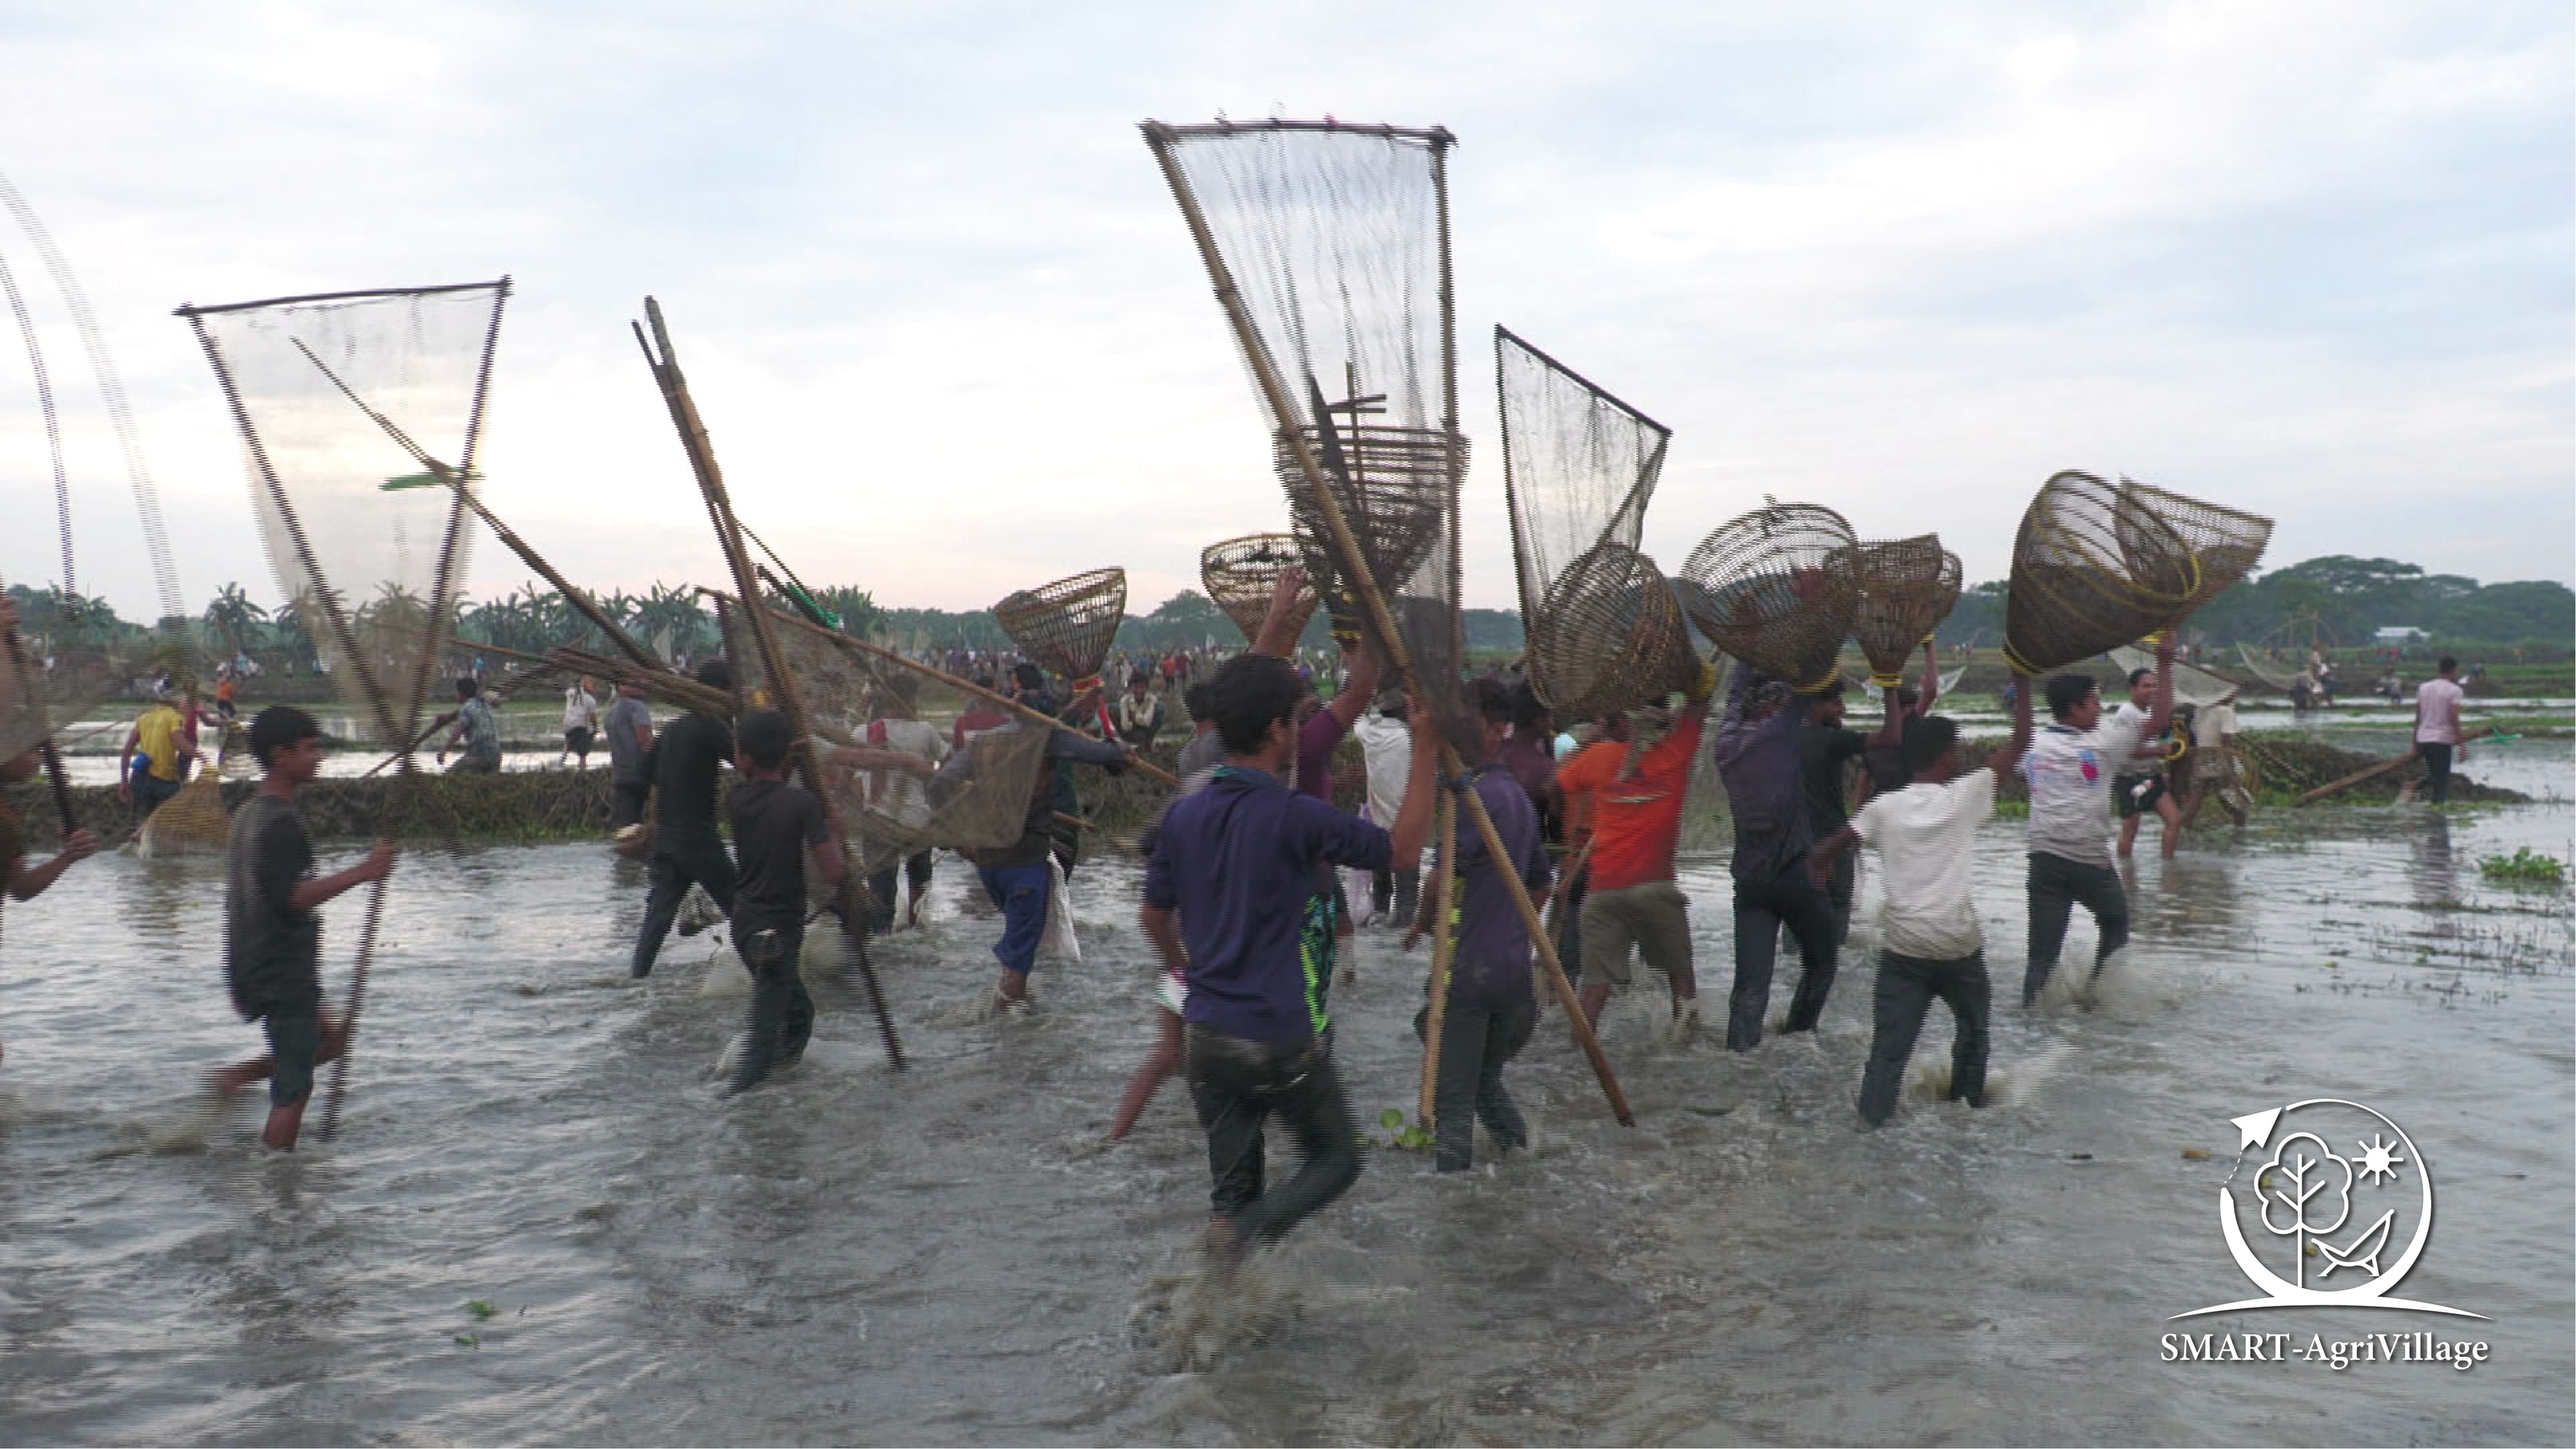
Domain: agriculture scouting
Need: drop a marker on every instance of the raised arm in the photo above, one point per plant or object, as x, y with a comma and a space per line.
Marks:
2003, 760
1276, 637
1931, 689
2163, 713
1346, 706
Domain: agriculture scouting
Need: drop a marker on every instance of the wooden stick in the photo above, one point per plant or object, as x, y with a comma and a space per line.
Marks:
2362, 777
702, 461
1358, 578
879, 651
1444, 947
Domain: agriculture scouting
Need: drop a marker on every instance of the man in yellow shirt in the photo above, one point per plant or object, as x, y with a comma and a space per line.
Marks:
166, 739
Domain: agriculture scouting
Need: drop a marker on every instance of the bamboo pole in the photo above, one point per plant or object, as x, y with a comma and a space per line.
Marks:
53, 755
2384, 767
702, 461
1363, 583
1560, 903
1444, 948
1004, 701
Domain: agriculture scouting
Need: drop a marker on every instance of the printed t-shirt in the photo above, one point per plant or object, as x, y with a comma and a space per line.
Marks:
1636, 822
2070, 774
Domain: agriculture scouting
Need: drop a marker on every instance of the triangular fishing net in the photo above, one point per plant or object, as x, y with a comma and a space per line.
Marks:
2226, 543
1776, 588
1241, 573
2191, 684
2092, 567
340, 399
1604, 632
1067, 626
1335, 238
1907, 587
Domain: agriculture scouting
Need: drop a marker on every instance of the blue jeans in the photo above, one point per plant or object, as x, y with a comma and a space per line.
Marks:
1020, 892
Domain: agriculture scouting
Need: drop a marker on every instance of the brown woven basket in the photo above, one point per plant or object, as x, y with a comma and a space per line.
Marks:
1067, 626
1609, 637
1395, 499
1907, 587
1241, 573
1776, 589
2227, 544
2093, 567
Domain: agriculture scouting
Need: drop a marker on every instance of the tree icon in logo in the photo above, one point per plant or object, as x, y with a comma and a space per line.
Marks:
2307, 1189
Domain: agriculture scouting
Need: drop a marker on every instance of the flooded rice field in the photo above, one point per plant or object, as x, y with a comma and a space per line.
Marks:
951, 1254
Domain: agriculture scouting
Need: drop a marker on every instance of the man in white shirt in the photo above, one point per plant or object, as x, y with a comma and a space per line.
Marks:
2437, 727
2140, 787
1925, 835
1386, 741
2070, 766
581, 721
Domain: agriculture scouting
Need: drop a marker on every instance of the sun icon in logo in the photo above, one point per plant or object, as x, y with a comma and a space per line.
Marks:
2378, 1159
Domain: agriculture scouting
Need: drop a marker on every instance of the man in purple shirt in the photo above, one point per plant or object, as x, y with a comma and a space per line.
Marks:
1237, 863
1757, 757
1493, 1002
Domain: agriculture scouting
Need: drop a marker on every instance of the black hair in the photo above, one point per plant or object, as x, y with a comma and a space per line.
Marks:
2066, 691
277, 727
465, 688
716, 674
1833, 690
984, 681
1926, 741
2448, 663
1248, 694
1493, 701
1029, 677
764, 737
1194, 699
2141, 673
1527, 708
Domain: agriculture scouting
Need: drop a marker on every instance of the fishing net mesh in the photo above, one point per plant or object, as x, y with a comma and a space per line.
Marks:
337, 399
194, 821
2092, 567
1335, 238
2225, 543
1240, 574
1067, 626
1776, 589
1579, 466
1907, 587
50, 686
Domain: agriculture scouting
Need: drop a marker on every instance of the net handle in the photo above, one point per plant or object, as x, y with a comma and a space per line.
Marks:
1356, 572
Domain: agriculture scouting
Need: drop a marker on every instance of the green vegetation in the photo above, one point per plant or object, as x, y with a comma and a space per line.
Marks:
1402, 1136
2524, 867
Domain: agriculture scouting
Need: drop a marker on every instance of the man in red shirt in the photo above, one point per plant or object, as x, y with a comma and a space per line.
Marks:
1636, 813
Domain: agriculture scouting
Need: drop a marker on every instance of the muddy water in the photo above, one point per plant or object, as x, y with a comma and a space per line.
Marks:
949, 1254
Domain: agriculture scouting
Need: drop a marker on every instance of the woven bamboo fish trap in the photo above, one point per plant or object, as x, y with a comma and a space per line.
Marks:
1776, 589
1609, 637
1395, 490
2226, 543
1241, 573
2093, 567
1907, 587
1067, 626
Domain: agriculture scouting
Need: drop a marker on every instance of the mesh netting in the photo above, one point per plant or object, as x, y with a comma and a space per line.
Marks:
2191, 684
1067, 626
1336, 239
192, 822
978, 801
2225, 543
1240, 573
37, 701
1578, 468
338, 399
1776, 589
2092, 567
1907, 587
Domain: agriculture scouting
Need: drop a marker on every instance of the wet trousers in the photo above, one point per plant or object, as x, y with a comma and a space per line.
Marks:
1906, 988
1237, 1085
881, 897
782, 1014
1762, 908
1475, 1043
2056, 885
676, 865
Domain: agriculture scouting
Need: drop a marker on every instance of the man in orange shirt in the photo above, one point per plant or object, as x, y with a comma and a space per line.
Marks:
1636, 811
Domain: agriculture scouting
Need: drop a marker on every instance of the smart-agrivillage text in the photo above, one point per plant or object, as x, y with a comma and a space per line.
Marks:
2337, 1354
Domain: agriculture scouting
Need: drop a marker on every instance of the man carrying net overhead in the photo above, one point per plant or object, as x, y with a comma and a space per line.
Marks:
1925, 834
682, 767
1757, 757
1637, 787
2070, 768
272, 936
1237, 864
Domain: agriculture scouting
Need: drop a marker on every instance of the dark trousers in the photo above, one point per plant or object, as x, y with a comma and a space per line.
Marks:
1237, 1085
782, 1014
1475, 1042
1762, 907
676, 864
881, 900
626, 803
2056, 884
151, 792
1396, 894
2437, 772
1838, 893
1906, 987
1569, 924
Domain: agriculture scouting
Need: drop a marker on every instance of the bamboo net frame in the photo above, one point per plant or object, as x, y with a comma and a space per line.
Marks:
1240, 574
2093, 566
1907, 587
1776, 588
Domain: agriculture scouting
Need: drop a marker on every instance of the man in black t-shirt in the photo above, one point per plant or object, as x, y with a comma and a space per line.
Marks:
682, 767
775, 827
272, 938
1824, 748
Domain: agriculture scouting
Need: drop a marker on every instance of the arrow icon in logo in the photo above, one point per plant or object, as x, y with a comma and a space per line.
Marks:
2256, 1127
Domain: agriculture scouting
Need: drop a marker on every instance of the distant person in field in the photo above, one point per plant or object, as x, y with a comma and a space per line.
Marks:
2142, 787
580, 723
477, 732
2437, 728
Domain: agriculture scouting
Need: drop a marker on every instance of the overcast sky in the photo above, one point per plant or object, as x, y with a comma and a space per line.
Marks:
949, 336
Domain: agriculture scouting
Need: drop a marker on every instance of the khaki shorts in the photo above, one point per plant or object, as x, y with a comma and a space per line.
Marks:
1654, 917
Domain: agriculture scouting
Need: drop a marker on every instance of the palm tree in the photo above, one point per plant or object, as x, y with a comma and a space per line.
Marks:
233, 618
